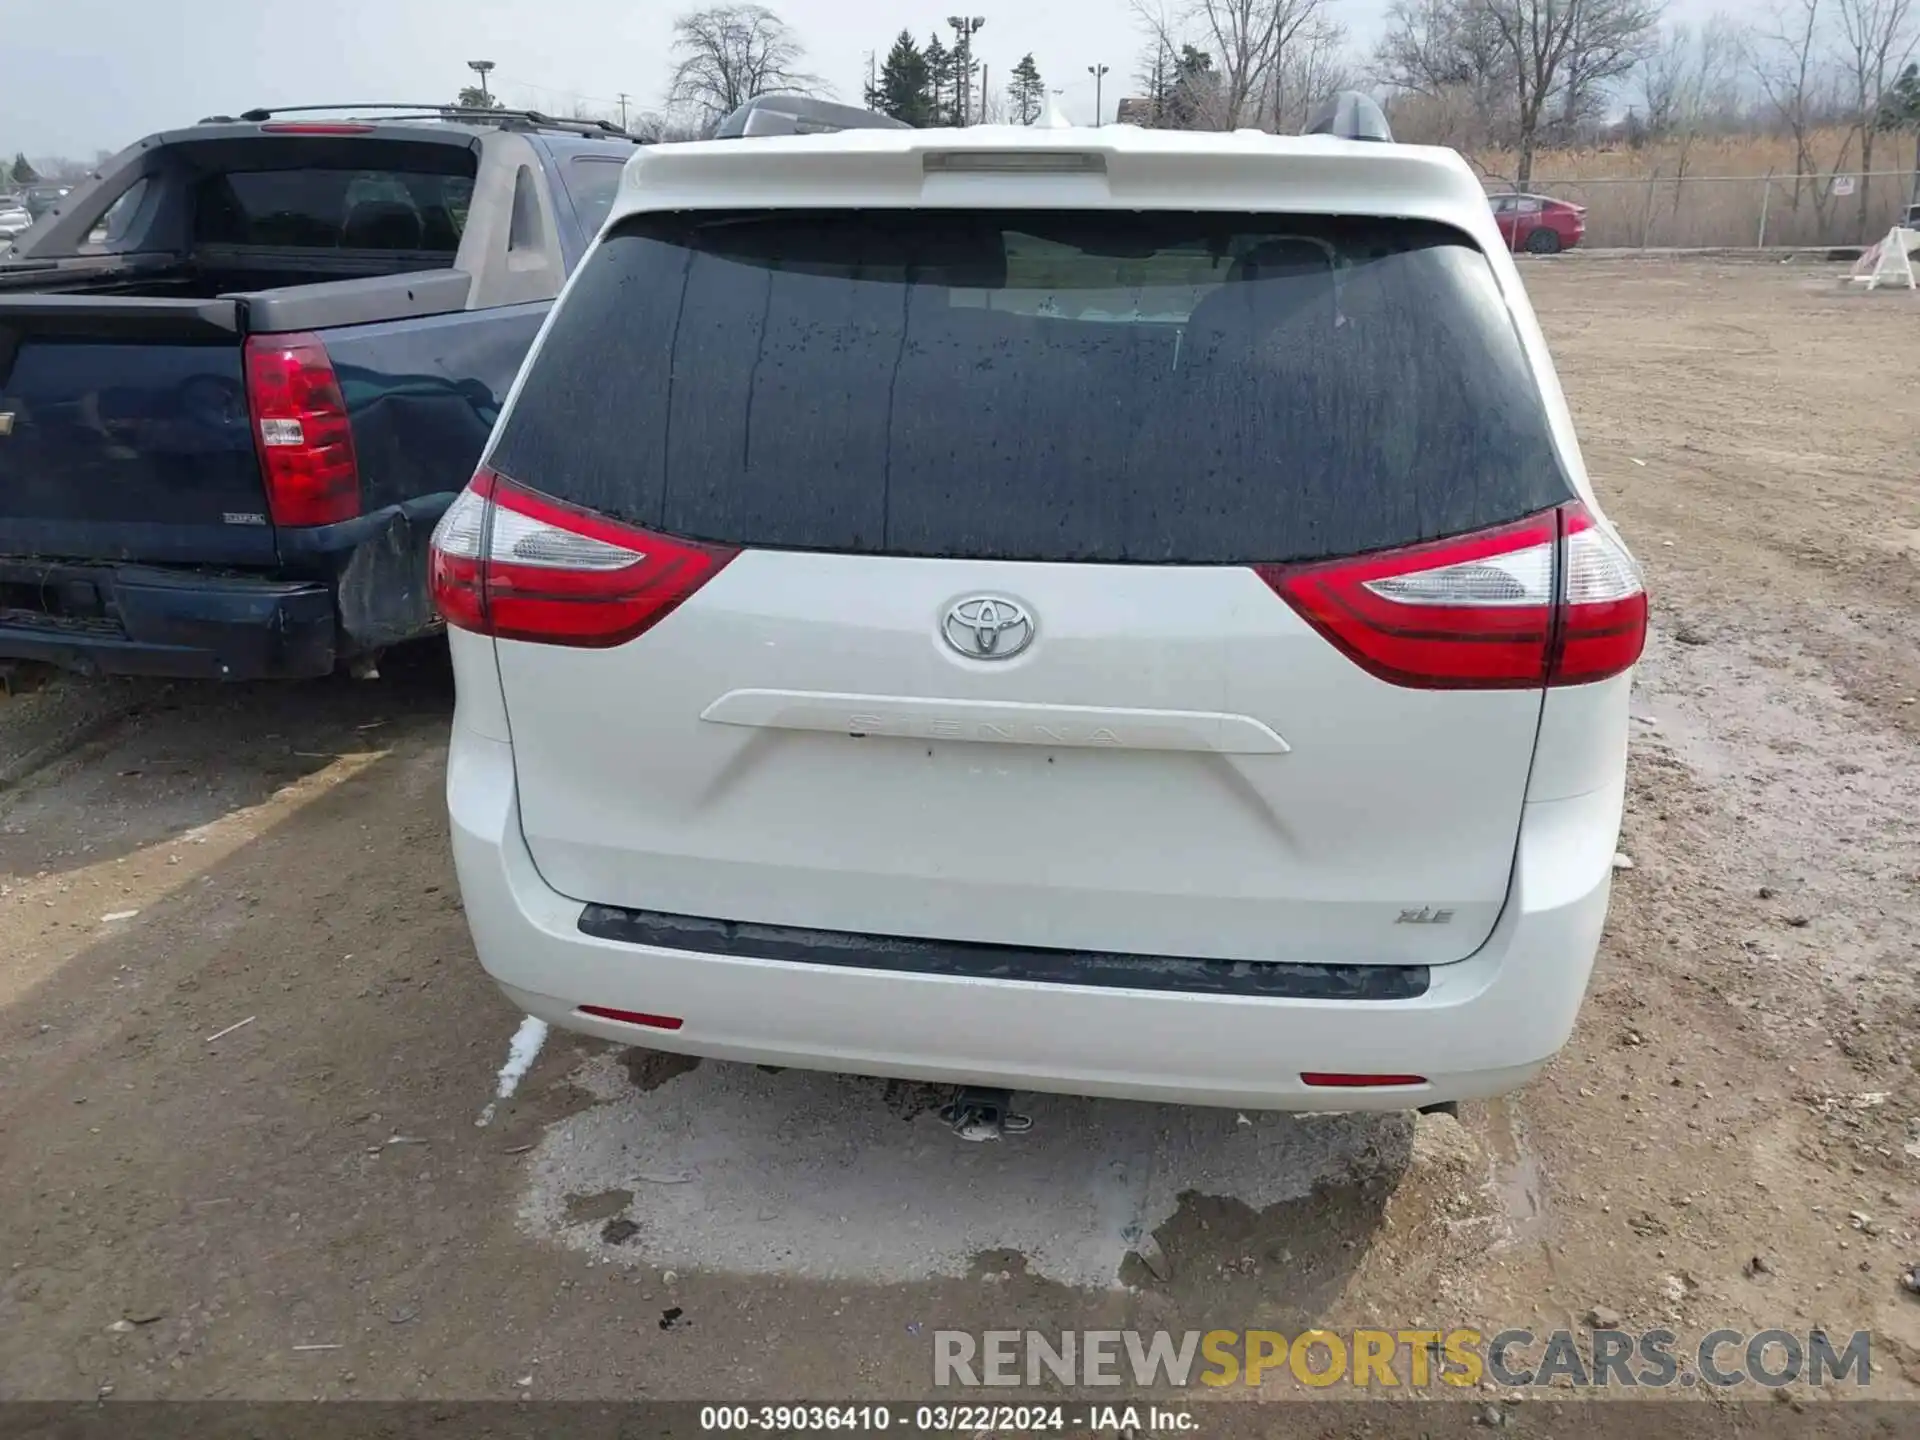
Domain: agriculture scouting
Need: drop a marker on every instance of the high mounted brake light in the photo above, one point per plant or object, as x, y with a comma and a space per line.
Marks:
315, 127
1015, 162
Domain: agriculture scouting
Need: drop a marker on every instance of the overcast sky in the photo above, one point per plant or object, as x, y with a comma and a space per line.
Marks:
78, 76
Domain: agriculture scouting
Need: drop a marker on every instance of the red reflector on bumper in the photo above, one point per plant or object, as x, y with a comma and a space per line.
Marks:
1331, 1080
633, 1017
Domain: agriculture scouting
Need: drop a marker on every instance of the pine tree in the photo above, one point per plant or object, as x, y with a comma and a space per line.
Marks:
23, 172
904, 81
1026, 91
939, 81
963, 71
1195, 89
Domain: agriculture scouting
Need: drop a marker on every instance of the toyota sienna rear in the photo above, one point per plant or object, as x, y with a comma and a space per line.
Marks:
1114, 612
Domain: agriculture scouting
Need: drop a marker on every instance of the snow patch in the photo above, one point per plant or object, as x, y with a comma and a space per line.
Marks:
522, 1051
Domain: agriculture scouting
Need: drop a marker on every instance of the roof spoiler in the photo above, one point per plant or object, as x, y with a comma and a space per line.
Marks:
800, 115
1350, 115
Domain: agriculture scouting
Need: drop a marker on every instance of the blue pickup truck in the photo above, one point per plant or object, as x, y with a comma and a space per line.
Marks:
246, 366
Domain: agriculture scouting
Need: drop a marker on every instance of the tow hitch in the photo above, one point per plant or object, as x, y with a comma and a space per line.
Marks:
977, 1114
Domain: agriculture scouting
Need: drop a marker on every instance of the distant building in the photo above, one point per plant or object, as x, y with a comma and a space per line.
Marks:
1134, 110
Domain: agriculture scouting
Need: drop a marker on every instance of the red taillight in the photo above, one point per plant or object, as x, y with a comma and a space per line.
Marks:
1603, 604
633, 1017
301, 431
1549, 600
521, 566
1339, 1080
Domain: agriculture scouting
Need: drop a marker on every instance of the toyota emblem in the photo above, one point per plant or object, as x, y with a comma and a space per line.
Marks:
988, 627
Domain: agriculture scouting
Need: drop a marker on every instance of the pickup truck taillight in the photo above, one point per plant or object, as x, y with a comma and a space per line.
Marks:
301, 431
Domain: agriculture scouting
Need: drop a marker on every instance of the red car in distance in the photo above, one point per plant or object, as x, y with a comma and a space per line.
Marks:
1539, 223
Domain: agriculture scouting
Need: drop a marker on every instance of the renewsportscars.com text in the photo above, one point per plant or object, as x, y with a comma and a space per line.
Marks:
1399, 1359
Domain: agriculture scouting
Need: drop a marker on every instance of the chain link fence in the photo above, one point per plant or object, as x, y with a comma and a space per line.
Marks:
1751, 211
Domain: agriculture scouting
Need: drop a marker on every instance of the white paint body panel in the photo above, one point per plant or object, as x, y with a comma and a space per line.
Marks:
1116, 837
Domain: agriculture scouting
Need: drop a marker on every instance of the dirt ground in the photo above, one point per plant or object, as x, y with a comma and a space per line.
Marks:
1732, 1138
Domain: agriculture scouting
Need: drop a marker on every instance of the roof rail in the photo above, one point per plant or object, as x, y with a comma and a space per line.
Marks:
1350, 115
800, 115
428, 110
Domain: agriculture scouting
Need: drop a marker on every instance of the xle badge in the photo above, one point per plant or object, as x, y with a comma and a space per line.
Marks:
1425, 915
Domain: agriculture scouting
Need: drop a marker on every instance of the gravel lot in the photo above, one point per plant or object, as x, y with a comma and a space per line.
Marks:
1742, 1087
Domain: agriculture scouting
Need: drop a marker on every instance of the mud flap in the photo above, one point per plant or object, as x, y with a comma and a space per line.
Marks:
383, 593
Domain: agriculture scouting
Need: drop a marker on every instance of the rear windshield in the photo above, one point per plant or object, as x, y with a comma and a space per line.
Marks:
321, 209
1037, 386
593, 181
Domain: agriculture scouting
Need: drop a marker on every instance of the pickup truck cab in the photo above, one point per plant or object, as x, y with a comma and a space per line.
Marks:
247, 365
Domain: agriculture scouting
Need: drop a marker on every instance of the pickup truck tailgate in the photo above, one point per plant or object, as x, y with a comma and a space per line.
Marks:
124, 432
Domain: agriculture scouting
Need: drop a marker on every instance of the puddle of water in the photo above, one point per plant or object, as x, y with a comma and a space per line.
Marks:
814, 1175
1516, 1170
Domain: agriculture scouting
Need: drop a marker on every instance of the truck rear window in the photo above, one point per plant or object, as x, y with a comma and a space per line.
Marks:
1099, 386
323, 209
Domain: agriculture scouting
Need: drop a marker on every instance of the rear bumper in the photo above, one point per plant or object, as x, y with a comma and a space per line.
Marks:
185, 624
343, 590
1483, 1026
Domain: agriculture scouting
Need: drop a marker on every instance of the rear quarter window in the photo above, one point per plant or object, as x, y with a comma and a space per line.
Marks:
1105, 387
592, 181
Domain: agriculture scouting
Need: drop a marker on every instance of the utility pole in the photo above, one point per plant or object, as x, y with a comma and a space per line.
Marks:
964, 29
1099, 73
623, 111
480, 68
983, 92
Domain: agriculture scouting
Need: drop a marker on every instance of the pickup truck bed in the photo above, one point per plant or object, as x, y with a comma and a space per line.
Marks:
224, 442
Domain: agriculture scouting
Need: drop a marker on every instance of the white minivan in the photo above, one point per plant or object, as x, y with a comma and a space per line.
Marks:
1109, 611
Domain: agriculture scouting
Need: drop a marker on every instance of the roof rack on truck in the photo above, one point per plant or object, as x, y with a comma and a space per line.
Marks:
506, 119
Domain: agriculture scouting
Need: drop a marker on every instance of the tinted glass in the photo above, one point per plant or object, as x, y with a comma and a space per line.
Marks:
313, 208
592, 181
1044, 386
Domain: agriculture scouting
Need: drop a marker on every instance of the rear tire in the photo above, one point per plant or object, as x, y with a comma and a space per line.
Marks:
1544, 241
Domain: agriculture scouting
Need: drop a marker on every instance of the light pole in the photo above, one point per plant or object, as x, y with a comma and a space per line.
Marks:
1099, 73
480, 68
965, 27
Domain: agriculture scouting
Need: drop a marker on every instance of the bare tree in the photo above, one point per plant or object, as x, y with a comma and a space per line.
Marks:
1607, 41
1243, 39
1184, 96
1250, 37
1788, 57
1876, 37
656, 128
1688, 81
1563, 49
1447, 55
1310, 67
727, 54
